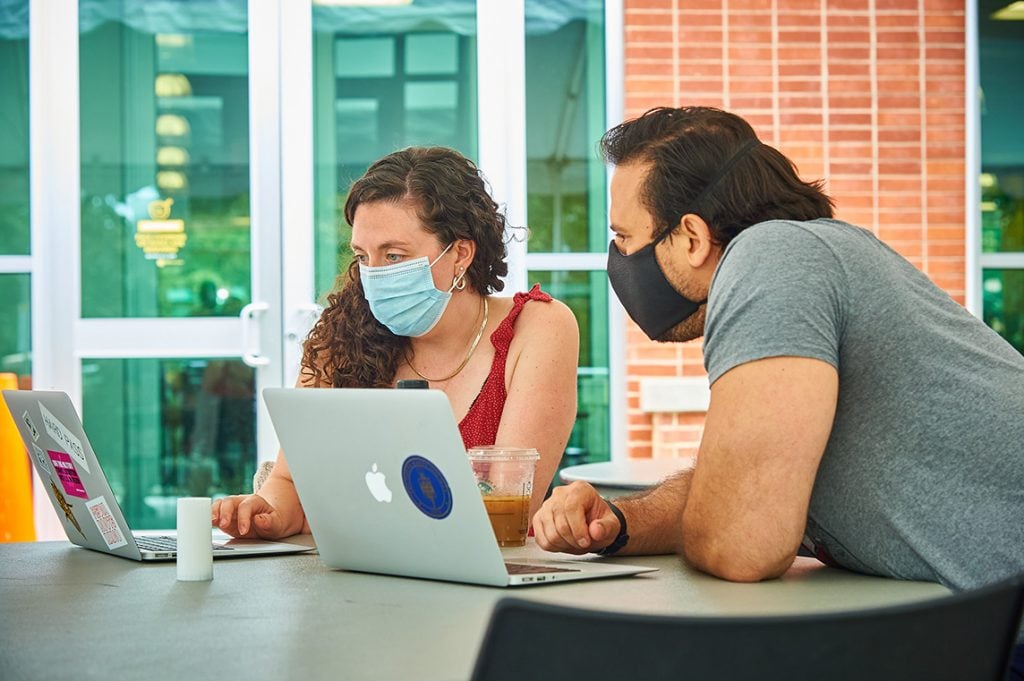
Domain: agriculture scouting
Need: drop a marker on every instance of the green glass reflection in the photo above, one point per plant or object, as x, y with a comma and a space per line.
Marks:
165, 159
1000, 54
16, 326
586, 294
1003, 304
14, 133
166, 428
1002, 211
565, 103
384, 78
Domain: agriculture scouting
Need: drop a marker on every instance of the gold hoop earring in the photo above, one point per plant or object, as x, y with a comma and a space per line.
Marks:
459, 282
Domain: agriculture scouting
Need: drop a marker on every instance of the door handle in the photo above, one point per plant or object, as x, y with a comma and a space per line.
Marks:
247, 316
302, 321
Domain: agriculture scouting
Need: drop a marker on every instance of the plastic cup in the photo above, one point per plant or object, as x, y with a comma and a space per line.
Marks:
505, 478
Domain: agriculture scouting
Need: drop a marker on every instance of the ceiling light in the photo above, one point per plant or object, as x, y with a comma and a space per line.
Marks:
361, 3
173, 40
171, 180
1012, 12
171, 156
172, 85
171, 125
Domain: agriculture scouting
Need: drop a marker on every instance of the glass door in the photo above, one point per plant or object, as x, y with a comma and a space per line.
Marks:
167, 272
566, 207
384, 77
180, 292
359, 81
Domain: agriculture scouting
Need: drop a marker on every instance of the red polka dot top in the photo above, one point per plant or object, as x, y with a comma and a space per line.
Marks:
480, 425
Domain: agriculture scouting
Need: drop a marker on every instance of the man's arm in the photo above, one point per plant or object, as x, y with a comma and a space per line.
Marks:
652, 517
765, 432
575, 519
740, 514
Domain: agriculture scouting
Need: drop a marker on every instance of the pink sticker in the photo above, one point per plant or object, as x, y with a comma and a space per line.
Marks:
67, 473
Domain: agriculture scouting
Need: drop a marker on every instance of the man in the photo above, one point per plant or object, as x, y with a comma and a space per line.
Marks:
855, 407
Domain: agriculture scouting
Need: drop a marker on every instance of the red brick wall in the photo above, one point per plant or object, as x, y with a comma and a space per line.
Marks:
867, 94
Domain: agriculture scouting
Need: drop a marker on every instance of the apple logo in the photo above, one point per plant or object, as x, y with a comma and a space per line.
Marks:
378, 486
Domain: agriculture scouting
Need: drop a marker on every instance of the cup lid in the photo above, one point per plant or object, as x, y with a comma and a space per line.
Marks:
494, 453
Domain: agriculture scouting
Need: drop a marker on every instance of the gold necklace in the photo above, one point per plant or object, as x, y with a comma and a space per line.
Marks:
465, 361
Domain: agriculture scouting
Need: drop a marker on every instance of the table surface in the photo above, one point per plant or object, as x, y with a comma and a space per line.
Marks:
626, 474
67, 612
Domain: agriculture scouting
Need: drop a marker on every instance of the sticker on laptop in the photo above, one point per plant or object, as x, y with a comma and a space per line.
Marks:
40, 455
59, 432
31, 426
68, 509
427, 487
68, 474
105, 523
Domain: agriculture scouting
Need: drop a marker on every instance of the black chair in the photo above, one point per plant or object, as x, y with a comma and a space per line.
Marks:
968, 636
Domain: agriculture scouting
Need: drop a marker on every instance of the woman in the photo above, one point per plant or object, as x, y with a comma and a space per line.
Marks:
429, 247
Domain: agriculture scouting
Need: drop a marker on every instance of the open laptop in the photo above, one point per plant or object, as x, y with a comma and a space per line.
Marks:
351, 452
74, 480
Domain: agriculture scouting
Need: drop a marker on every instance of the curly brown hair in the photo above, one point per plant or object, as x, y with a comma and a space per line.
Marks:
348, 347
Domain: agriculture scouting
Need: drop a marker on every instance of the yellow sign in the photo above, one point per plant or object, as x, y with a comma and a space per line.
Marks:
160, 210
159, 238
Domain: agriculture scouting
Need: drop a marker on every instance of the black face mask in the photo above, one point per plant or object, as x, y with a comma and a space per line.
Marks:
644, 291
640, 284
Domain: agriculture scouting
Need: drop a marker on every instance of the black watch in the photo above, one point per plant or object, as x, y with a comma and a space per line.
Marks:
621, 539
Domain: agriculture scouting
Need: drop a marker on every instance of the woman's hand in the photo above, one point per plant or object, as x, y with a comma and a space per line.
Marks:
248, 516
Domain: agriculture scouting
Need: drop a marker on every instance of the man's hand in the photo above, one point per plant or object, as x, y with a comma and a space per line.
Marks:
575, 519
248, 516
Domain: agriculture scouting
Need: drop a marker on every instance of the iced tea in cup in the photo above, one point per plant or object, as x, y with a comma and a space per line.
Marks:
505, 478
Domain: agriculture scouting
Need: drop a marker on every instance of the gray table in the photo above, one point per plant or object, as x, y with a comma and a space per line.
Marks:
616, 478
67, 612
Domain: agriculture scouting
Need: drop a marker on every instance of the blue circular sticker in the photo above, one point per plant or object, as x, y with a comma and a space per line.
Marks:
427, 487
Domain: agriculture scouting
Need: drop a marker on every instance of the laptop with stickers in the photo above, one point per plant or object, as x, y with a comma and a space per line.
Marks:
387, 488
78, 488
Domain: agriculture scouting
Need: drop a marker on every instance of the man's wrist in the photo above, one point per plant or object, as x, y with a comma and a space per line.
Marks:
621, 539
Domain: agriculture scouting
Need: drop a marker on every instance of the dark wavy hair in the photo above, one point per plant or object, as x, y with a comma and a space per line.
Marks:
348, 347
685, 149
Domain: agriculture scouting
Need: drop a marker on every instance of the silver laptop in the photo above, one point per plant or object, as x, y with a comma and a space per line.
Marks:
352, 453
80, 493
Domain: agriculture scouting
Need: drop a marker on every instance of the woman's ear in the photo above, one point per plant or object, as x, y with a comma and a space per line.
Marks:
465, 251
696, 235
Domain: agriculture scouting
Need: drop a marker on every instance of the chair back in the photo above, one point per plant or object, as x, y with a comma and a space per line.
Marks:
969, 635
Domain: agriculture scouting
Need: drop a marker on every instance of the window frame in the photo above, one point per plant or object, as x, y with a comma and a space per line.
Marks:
976, 261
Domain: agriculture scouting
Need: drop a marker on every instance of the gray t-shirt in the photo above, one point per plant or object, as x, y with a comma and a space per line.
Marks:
923, 474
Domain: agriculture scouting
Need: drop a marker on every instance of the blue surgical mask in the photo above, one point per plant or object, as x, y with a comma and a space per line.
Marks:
402, 296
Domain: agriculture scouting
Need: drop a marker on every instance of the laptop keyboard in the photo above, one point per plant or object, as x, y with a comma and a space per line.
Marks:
165, 543
521, 569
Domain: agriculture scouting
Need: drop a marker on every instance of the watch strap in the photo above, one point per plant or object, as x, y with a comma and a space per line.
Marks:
621, 539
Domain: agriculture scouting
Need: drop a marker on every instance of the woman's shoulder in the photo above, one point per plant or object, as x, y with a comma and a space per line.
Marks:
546, 317
547, 340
